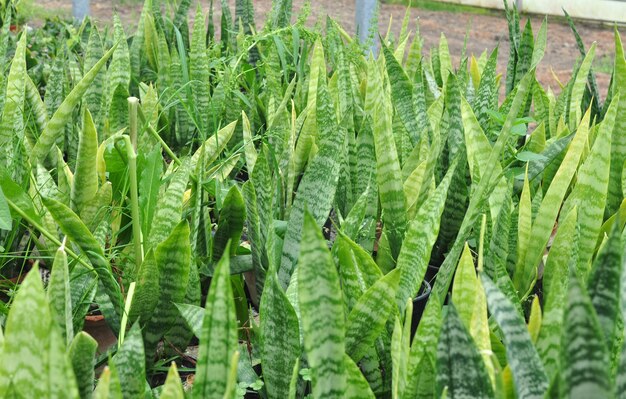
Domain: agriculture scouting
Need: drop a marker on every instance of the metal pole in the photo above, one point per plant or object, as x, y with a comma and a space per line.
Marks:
80, 9
365, 10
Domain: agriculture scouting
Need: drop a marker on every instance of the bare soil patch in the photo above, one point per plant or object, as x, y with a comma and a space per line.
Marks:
485, 31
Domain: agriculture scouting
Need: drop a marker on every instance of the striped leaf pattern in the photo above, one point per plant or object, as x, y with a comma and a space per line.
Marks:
173, 257
130, 364
618, 144
82, 352
76, 231
32, 346
544, 221
59, 295
603, 286
281, 338
461, 371
526, 367
584, 357
370, 314
62, 115
419, 240
388, 173
322, 316
219, 336
318, 185
12, 123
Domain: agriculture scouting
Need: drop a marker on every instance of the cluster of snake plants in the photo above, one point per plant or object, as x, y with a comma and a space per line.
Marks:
253, 211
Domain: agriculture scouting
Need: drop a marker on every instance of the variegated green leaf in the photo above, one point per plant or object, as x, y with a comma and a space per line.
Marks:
85, 183
59, 295
388, 173
63, 114
591, 189
369, 315
70, 224
82, 354
230, 226
173, 258
460, 368
322, 316
172, 389
584, 356
419, 240
280, 338
12, 123
546, 216
578, 89
604, 285
358, 388
130, 363
317, 188
528, 372
218, 340
618, 144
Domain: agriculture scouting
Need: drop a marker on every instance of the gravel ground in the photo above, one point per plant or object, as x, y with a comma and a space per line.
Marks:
485, 31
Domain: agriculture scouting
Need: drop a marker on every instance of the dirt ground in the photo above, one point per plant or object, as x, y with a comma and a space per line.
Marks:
485, 31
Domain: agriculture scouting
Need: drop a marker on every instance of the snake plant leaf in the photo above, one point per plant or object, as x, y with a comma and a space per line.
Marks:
147, 291
460, 368
401, 95
584, 356
59, 296
528, 372
419, 240
85, 184
82, 352
214, 145
199, 72
618, 146
423, 351
37, 109
150, 167
249, 149
317, 188
479, 195
230, 226
172, 389
358, 388
130, 363
280, 338
564, 252
590, 192
317, 78
63, 114
464, 287
322, 315
108, 385
93, 95
218, 340
71, 225
548, 211
193, 316
370, 314
578, 89
12, 123
388, 172
6, 221
169, 206
604, 284
173, 258
119, 70
32, 345
357, 270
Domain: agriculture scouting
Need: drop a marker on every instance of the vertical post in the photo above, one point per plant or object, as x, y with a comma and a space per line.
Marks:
365, 10
80, 9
